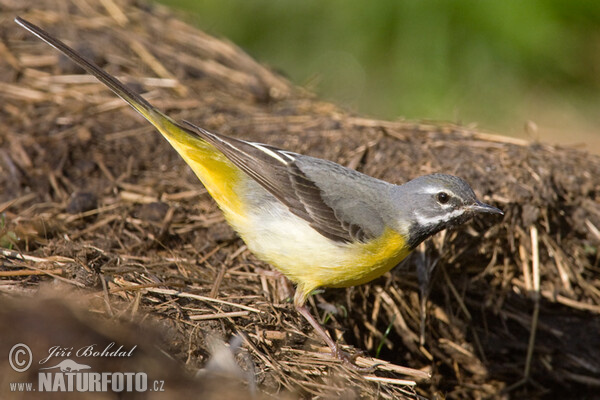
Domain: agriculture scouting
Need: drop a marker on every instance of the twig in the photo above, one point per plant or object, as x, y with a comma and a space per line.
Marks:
59, 260
26, 272
177, 293
387, 366
219, 315
550, 295
214, 291
115, 12
535, 266
390, 381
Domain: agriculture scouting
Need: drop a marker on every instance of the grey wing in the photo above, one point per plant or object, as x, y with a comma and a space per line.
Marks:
332, 211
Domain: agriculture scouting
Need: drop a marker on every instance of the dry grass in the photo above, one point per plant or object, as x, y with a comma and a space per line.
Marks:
95, 204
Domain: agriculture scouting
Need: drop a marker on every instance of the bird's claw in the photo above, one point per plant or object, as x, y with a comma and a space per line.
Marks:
350, 360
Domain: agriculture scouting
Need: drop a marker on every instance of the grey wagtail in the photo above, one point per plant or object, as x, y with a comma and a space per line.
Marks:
319, 223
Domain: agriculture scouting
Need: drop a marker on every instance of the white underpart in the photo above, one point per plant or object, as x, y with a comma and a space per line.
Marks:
281, 238
431, 221
267, 151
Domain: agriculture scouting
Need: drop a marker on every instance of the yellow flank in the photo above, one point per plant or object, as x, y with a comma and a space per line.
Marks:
219, 175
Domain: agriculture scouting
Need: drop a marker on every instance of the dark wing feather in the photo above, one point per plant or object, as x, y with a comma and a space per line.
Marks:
276, 171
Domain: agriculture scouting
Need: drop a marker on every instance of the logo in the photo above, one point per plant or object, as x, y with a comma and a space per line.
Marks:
69, 366
69, 375
20, 357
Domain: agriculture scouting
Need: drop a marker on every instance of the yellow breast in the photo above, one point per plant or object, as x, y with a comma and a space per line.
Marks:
373, 259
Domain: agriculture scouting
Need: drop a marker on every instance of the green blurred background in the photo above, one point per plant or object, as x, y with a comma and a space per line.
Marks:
502, 65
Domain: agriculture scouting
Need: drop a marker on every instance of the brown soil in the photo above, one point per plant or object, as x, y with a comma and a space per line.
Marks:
98, 209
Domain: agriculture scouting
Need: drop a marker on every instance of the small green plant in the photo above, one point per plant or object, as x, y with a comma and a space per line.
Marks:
385, 335
8, 238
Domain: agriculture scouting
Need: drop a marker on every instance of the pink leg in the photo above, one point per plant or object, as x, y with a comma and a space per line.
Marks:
303, 310
349, 361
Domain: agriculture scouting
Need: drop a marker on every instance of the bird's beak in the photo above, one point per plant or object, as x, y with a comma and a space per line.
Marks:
480, 207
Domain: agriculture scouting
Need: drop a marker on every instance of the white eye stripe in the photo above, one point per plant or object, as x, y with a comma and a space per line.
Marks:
269, 152
433, 190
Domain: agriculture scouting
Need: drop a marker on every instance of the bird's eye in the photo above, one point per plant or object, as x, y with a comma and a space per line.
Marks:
443, 197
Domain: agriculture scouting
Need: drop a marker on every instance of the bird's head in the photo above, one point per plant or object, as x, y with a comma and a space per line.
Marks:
435, 202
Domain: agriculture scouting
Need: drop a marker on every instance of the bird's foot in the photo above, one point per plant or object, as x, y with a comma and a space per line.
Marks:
349, 360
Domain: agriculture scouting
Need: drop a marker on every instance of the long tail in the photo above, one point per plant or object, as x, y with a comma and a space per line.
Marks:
217, 173
154, 116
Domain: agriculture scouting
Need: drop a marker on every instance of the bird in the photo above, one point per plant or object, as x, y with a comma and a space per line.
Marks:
317, 222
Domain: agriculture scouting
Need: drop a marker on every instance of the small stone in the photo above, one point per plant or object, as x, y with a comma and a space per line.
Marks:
80, 202
221, 232
154, 211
